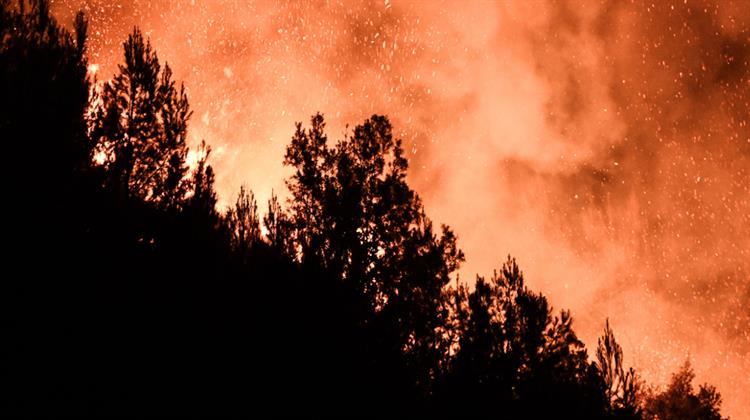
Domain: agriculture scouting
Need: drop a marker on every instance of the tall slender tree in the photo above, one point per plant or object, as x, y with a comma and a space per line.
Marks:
140, 128
202, 199
243, 222
622, 387
278, 228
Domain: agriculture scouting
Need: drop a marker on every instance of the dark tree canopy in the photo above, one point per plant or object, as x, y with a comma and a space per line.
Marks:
513, 352
140, 128
243, 222
127, 292
278, 229
44, 93
355, 215
680, 401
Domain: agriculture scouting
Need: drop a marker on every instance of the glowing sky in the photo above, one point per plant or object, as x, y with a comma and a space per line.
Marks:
604, 144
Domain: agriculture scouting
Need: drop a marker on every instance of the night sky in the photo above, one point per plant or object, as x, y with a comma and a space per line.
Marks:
605, 145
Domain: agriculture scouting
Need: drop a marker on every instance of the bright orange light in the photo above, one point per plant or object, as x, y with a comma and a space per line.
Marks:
605, 146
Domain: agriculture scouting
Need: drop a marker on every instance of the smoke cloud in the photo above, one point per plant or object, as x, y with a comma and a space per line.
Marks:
605, 145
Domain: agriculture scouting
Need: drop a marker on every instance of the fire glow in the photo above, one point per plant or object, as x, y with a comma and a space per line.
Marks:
606, 146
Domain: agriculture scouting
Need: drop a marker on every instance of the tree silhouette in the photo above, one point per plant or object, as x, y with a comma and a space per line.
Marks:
354, 215
513, 352
278, 228
679, 400
202, 201
140, 128
622, 387
43, 97
243, 222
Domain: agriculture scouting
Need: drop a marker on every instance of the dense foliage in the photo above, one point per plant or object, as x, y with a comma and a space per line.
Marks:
128, 292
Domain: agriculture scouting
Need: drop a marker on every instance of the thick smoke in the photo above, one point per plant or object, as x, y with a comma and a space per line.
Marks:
605, 145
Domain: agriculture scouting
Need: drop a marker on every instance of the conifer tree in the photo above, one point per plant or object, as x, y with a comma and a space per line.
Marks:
680, 401
278, 228
140, 128
243, 222
44, 92
512, 352
622, 387
355, 215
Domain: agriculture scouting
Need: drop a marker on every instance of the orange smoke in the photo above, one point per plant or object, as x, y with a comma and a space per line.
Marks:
605, 145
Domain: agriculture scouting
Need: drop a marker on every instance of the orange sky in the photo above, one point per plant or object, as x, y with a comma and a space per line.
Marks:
604, 144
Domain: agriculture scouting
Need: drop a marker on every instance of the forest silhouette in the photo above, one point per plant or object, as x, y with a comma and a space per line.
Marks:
128, 292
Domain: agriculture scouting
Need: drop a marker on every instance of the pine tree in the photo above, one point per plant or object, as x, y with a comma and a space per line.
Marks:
201, 201
278, 228
622, 387
355, 215
513, 353
44, 92
679, 400
243, 222
140, 128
